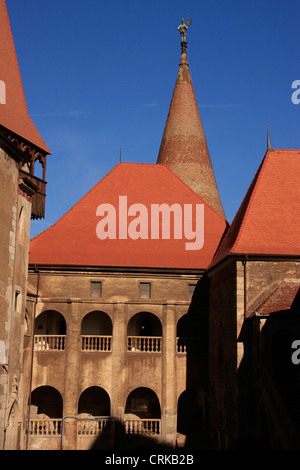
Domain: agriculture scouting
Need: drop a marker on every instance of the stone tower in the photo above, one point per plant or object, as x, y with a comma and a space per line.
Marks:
183, 147
22, 196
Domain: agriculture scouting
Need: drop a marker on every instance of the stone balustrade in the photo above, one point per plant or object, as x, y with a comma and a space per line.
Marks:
96, 343
142, 426
88, 427
45, 427
151, 344
49, 342
100, 343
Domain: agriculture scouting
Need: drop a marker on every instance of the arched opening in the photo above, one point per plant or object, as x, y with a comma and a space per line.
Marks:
38, 169
12, 423
93, 411
96, 332
142, 412
144, 333
50, 331
191, 412
46, 402
94, 401
188, 340
46, 411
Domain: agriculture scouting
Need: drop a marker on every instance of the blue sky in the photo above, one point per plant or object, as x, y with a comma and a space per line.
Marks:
99, 75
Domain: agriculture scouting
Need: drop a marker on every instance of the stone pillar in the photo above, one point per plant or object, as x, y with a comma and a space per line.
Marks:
118, 352
169, 379
72, 354
119, 373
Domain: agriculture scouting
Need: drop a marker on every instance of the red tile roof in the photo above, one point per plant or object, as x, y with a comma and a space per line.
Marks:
282, 298
73, 240
268, 222
14, 114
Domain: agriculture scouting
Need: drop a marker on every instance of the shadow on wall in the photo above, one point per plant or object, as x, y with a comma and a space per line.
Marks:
114, 437
193, 406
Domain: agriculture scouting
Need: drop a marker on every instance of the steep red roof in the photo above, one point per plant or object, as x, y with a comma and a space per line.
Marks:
73, 239
183, 147
268, 222
13, 113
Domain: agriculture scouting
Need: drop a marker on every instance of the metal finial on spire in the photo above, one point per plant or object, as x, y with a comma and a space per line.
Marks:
182, 28
269, 141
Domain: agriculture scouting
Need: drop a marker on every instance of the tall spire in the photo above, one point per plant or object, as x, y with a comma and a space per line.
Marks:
183, 147
14, 115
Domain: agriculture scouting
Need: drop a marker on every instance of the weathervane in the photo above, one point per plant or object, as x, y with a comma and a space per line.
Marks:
182, 28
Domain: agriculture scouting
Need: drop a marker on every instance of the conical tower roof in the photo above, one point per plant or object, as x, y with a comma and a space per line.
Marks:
183, 147
13, 110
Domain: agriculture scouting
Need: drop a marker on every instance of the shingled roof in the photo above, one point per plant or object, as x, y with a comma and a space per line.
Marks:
13, 112
280, 300
73, 239
267, 222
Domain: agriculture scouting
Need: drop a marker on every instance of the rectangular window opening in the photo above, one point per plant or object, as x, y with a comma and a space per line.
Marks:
145, 290
96, 290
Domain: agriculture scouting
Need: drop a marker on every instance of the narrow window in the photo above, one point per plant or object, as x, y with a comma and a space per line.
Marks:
145, 290
17, 300
96, 290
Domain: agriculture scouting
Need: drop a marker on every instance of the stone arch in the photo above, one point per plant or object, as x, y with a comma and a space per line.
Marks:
142, 403
183, 327
46, 401
50, 322
96, 323
144, 324
94, 401
191, 411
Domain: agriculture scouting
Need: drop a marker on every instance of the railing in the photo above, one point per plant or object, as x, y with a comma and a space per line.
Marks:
142, 426
144, 344
190, 345
49, 342
45, 427
91, 426
96, 343
38, 198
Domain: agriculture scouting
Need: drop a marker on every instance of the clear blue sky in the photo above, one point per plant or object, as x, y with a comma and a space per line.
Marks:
99, 75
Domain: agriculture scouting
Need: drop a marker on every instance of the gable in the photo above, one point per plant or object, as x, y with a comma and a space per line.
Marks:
267, 222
